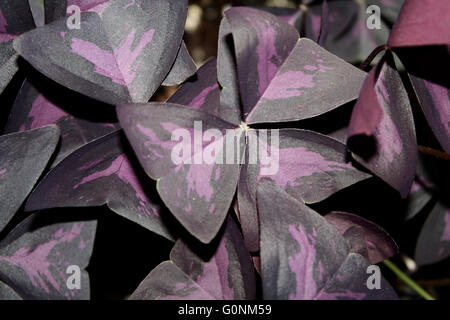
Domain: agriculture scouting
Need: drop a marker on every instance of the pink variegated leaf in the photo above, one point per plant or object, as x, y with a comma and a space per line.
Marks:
421, 23
314, 261
383, 112
36, 263
433, 244
227, 274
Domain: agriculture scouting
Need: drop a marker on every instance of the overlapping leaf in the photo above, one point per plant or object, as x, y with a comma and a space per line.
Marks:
260, 69
226, 275
33, 109
100, 173
15, 18
122, 52
363, 237
314, 261
197, 191
34, 263
309, 166
383, 111
421, 23
432, 86
282, 78
23, 158
433, 244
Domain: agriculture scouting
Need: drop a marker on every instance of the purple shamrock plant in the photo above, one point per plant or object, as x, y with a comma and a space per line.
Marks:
255, 191
279, 76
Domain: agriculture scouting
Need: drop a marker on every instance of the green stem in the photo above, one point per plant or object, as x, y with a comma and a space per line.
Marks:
410, 282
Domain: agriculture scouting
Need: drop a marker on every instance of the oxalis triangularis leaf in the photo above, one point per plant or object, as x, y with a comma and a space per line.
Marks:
226, 274
33, 109
101, 172
34, 260
418, 30
279, 78
15, 18
122, 53
314, 260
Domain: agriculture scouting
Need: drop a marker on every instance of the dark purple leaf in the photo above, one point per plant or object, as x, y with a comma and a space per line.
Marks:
348, 36
33, 110
281, 77
377, 245
311, 167
197, 192
122, 52
290, 15
100, 173
201, 92
383, 111
35, 264
227, 275
324, 22
15, 18
313, 261
433, 244
262, 43
23, 158
421, 23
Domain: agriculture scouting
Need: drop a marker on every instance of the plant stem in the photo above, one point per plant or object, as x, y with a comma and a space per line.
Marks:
406, 279
433, 152
372, 56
